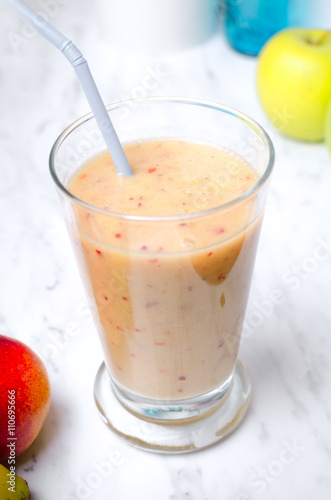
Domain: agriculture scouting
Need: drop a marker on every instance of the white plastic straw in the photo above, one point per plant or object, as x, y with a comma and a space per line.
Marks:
83, 72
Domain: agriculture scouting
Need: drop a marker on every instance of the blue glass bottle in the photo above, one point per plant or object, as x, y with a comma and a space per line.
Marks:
250, 23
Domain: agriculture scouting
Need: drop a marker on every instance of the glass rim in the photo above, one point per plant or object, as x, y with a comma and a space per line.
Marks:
170, 100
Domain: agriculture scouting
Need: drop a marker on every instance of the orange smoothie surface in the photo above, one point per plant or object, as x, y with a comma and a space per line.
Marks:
171, 177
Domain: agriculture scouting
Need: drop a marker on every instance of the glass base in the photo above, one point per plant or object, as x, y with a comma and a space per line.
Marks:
169, 436
172, 411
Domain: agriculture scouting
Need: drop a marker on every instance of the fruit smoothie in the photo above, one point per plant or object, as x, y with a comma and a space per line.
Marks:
168, 275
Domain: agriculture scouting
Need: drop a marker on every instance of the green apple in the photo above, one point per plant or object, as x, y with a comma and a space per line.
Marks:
294, 81
327, 130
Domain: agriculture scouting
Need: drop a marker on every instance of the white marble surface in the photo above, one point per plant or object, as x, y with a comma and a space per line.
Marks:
287, 347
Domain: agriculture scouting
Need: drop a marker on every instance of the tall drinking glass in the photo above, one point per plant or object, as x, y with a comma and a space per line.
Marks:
169, 293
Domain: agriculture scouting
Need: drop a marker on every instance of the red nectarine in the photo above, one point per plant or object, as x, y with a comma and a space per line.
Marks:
24, 397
